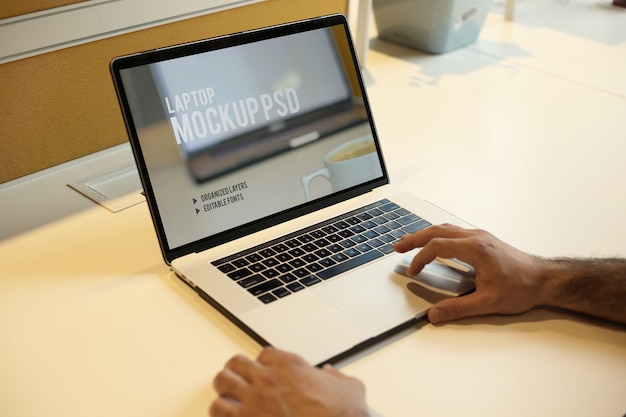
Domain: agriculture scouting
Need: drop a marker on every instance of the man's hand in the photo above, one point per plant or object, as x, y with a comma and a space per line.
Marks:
280, 384
508, 281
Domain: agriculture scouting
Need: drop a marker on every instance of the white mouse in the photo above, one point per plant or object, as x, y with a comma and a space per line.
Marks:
445, 276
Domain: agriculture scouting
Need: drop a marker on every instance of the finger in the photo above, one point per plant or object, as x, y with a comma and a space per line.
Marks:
223, 407
451, 309
269, 355
422, 237
459, 248
242, 365
230, 384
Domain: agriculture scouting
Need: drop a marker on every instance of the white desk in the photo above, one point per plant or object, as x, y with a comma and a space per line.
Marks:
94, 324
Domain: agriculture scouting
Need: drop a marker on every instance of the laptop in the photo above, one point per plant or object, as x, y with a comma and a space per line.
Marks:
267, 186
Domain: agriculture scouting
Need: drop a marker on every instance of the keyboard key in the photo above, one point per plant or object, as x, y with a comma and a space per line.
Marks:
375, 243
347, 243
335, 248
284, 257
358, 229
251, 281
293, 243
402, 212
346, 233
339, 257
295, 286
297, 252
369, 224
321, 243
411, 218
309, 247
370, 234
364, 216
326, 262
266, 253
310, 257
269, 262
341, 225
310, 280
318, 234
322, 253
301, 272
267, 298
386, 249
349, 264
353, 220
281, 292
360, 238
422, 224
287, 278
239, 274
265, 287
257, 267
334, 238
306, 238
389, 207
226, 268
391, 216
380, 220
280, 248
270, 273
382, 230
397, 233
254, 257
297, 263
387, 238
240, 263
364, 247
393, 225
329, 229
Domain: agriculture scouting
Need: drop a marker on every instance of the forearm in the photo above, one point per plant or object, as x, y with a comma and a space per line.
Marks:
592, 286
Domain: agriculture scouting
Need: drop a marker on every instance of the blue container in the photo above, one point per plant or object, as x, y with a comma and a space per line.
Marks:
433, 26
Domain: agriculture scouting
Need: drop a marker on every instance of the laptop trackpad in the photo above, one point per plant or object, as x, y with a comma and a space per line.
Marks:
374, 296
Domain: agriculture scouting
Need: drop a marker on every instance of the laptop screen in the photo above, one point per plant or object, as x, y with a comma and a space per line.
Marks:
237, 132
248, 87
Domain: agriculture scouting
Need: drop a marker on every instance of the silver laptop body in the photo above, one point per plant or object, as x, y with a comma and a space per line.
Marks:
248, 147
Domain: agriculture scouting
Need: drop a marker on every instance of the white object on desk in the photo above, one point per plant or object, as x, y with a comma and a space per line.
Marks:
362, 9
114, 190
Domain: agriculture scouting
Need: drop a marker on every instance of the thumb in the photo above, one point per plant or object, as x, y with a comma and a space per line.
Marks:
451, 309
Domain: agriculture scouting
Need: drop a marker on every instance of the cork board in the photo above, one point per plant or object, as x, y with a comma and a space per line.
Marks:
62, 105
11, 8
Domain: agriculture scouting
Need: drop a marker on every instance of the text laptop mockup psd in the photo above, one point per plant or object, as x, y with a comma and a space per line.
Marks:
267, 186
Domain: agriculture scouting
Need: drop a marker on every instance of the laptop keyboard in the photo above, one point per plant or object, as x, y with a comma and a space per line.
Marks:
312, 255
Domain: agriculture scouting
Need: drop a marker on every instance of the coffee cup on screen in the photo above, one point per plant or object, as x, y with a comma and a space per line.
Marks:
347, 165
